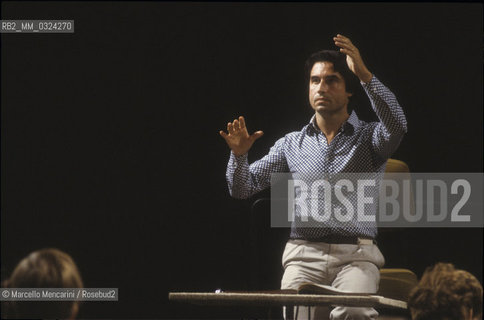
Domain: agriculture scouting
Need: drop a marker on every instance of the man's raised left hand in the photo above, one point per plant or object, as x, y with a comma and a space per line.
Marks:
353, 58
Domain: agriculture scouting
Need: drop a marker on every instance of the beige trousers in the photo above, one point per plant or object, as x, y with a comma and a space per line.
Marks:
346, 267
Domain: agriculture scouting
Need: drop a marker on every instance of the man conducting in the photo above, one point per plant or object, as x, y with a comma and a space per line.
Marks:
335, 141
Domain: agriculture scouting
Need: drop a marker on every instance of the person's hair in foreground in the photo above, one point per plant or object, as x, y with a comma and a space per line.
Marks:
46, 268
446, 293
338, 60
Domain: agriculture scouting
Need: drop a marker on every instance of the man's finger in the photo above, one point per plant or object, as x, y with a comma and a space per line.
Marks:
223, 134
351, 49
339, 39
344, 41
347, 51
336, 40
342, 37
230, 128
256, 135
236, 125
242, 122
345, 45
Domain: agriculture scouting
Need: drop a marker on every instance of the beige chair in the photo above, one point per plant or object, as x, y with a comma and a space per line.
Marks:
394, 165
396, 283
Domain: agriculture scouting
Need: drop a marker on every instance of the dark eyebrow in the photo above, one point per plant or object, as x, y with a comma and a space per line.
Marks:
331, 77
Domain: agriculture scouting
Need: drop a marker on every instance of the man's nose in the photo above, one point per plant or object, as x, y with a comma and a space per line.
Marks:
323, 87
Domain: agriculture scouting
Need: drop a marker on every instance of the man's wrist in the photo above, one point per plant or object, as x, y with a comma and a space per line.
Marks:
239, 156
366, 78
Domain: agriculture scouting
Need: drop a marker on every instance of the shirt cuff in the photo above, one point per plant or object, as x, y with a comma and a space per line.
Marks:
237, 160
370, 84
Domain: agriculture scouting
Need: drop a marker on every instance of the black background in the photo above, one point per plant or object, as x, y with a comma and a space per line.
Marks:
110, 145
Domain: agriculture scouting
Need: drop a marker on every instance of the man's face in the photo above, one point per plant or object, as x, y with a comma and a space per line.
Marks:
327, 89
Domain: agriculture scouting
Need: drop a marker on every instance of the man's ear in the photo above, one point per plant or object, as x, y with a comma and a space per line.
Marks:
349, 94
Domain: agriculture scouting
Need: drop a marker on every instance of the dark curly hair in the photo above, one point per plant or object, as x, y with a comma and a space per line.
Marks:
445, 293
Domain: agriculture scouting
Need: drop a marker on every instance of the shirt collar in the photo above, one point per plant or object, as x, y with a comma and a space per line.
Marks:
352, 123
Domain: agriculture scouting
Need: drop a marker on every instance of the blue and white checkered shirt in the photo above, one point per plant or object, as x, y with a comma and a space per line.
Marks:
357, 147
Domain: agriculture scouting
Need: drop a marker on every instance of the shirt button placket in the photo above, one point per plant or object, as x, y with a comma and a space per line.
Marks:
322, 146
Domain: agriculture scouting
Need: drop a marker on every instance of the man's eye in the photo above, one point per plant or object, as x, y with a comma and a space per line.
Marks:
314, 80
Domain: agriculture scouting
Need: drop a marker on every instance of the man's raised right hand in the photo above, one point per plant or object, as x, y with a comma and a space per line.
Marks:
238, 139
